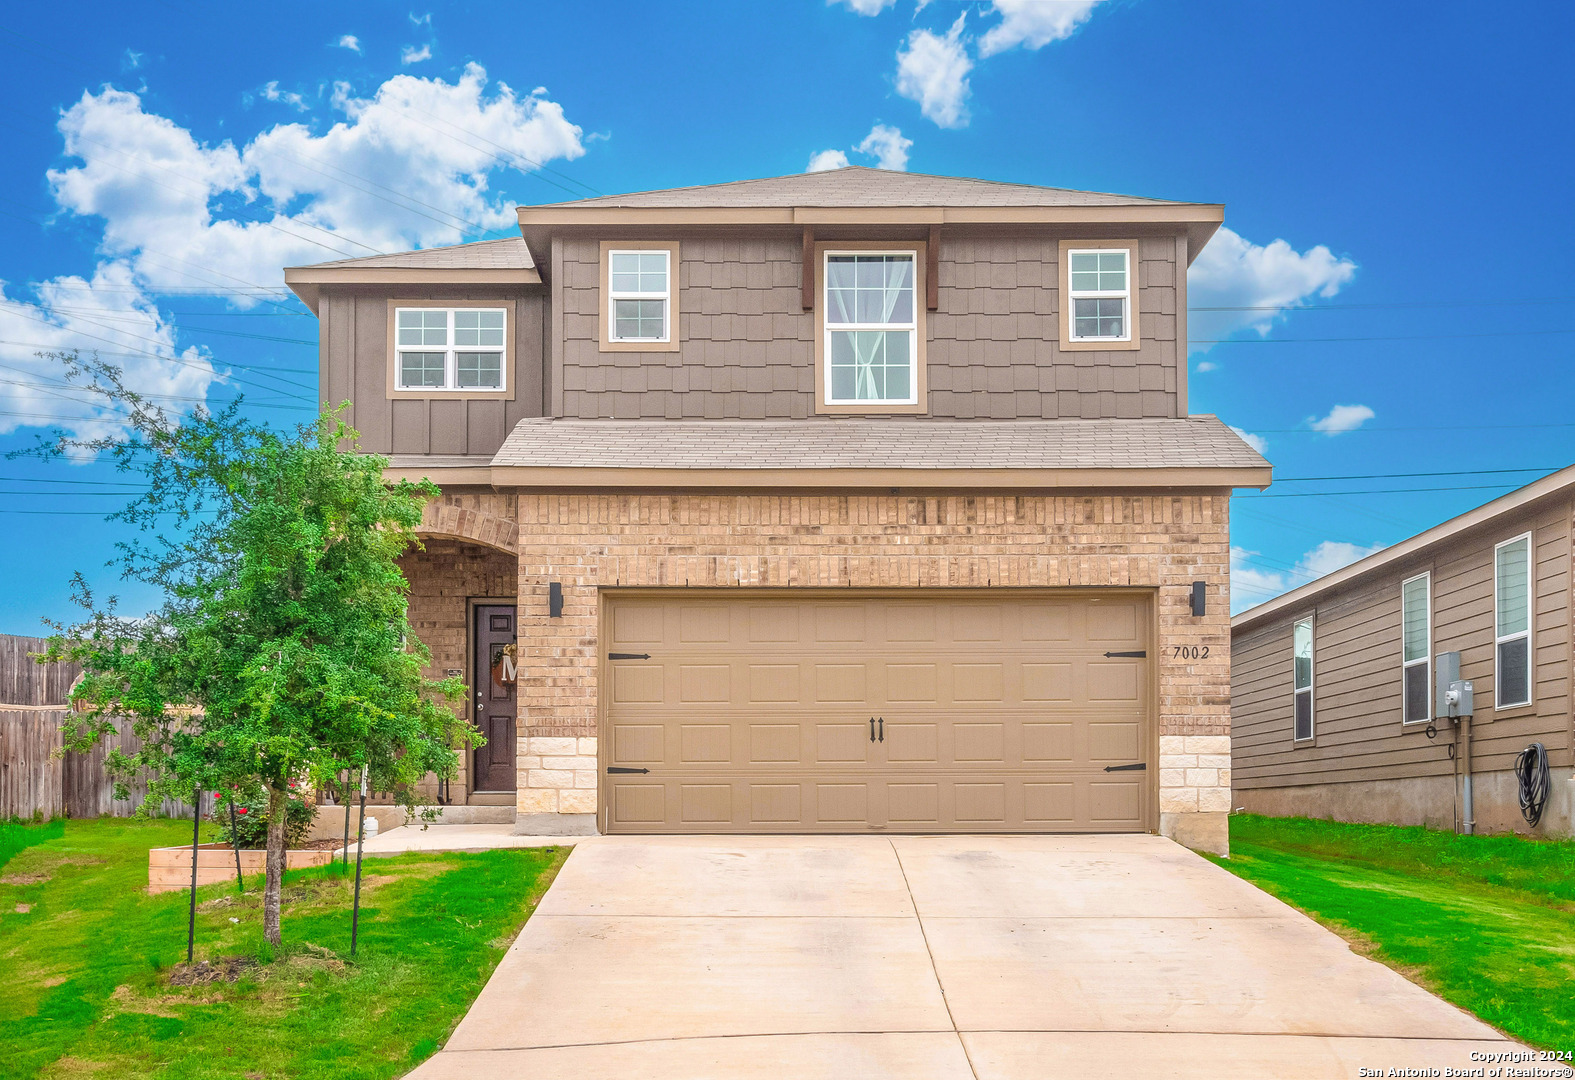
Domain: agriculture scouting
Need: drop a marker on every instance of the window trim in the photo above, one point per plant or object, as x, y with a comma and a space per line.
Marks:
1427, 655
452, 393
1311, 690
1529, 633
604, 306
918, 250
1133, 340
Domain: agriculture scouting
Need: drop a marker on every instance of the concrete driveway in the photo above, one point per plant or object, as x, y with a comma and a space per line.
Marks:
933, 957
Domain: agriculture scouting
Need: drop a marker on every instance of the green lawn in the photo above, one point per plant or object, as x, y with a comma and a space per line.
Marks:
1487, 922
86, 957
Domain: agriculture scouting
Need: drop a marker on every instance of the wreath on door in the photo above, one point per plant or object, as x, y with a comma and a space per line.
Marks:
505, 670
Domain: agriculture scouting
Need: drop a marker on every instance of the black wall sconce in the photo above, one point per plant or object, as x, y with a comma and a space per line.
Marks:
555, 599
1200, 598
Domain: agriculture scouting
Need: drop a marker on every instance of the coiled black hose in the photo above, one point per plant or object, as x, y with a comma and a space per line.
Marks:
1531, 770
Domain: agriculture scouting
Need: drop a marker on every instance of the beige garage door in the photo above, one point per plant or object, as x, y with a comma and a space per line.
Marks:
967, 714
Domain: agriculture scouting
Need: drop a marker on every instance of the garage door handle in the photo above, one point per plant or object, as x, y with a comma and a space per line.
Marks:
872, 729
621, 769
883, 729
628, 656
1140, 654
1139, 767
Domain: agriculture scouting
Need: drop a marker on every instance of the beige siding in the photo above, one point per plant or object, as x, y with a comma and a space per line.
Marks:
747, 347
1357, 669
354, 359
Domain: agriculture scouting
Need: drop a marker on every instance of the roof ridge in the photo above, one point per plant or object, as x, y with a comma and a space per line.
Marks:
420, 251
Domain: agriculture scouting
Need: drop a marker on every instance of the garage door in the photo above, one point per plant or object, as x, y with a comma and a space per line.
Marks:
895, 714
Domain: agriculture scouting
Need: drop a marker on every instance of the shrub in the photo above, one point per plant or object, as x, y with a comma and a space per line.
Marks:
251, 815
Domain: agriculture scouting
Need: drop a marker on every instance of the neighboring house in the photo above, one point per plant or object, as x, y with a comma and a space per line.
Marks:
1332, 684
849, 501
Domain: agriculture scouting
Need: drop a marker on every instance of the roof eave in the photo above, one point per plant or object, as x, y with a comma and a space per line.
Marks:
514, 477
307, 281
1549, 486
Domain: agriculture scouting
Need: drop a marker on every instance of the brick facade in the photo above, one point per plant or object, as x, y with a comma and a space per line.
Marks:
592, 541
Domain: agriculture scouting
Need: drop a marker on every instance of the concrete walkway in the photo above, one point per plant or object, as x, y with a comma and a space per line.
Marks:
451, 838
991, 958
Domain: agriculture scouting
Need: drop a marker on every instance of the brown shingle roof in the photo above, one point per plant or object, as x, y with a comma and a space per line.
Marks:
1197, 442
509, 253
858, 186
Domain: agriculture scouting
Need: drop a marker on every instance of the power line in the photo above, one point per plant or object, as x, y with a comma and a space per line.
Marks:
1393, 305
1375, 491
1394, 337
1410, 475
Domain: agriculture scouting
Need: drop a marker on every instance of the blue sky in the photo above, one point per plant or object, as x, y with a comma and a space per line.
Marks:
1396, 181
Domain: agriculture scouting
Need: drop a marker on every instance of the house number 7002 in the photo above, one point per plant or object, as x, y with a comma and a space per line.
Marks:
1191, 652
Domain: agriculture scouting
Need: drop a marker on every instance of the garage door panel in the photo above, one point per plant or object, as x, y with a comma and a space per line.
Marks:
753, 714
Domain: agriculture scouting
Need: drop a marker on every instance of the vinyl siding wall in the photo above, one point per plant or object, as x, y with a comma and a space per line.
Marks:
747, 347
354, 360
1357, 669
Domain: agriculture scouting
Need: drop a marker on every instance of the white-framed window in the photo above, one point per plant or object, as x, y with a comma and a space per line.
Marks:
458, 349
639, 290
871, 327
1100, 281
1512, 622
1302, 680
1416, 632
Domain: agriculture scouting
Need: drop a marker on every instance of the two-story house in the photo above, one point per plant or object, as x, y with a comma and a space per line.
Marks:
843, 502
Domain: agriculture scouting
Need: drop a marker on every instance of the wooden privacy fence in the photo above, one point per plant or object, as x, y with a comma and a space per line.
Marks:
35, 779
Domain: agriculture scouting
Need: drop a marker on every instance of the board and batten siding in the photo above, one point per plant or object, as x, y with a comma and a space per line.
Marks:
747, 350
355, 355
1357, 680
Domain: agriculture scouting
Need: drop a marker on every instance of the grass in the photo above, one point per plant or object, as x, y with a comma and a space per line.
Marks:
16, 835
86, 957
1486, 922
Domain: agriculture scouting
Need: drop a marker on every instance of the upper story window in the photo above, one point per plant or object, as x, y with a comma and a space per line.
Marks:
1512, 617
871, 328
1101, 294
638, 305
1416, 631
639, 290
1302, 679
459, 349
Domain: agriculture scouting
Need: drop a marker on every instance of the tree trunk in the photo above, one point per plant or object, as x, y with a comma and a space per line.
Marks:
278, 807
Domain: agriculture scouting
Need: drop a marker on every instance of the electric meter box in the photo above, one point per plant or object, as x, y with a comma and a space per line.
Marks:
1454, 697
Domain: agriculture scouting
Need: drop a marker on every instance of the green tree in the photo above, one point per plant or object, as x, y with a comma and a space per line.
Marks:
281, 652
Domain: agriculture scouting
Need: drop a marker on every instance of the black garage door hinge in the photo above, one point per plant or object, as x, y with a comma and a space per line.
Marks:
1140, 653
617, 769
628, 656
1139, 767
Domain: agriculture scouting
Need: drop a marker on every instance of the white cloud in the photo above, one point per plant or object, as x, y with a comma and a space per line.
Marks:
412, 55
887, 146
1257, 442
420, 20
1254, 580
351, 42
1034, 23
407, 167
131, 61
271, 92
933, 70
1258, 284
110, 314
1207, 365
1342, 418
826, 160
884, 143
866, 7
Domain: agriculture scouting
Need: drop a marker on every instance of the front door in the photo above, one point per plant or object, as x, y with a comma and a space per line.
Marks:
495, 676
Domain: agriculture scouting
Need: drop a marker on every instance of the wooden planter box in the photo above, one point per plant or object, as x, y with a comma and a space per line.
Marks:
169, 868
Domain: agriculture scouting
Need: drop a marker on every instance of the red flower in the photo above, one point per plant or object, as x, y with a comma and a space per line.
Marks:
240, 810
292, 783
218, 794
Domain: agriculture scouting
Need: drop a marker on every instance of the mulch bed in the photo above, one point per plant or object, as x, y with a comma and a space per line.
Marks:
225, 969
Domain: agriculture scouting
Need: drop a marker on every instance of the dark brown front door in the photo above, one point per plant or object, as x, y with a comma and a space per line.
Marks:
495, 677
